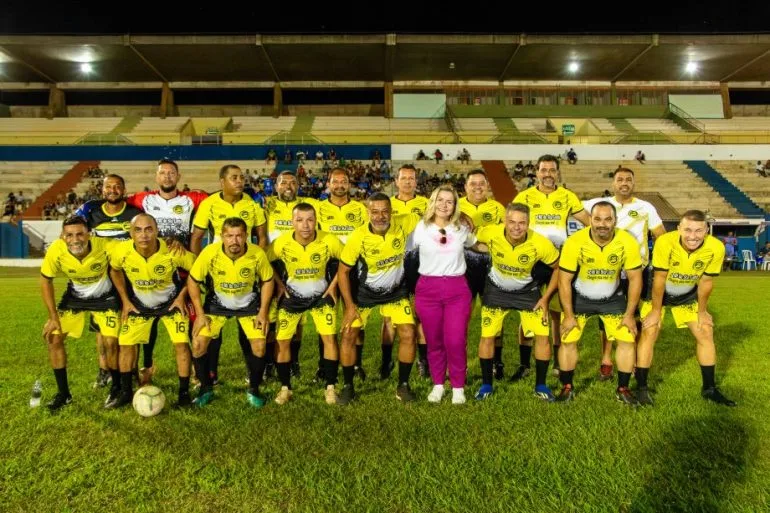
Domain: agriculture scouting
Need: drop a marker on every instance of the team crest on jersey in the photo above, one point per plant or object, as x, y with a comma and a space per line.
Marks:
126, 226
486, 216
315, 258
613, 259
244, 214
245, 272
177, 209
633, 213
396, 243
523, 259
350, 216
375, 252
558, 205
698, 265
160, 269
486, 321
96, 267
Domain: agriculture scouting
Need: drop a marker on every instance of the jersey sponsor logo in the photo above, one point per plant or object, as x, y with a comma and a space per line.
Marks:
698, 265
536, 205
684, 277
177, 209
633, 213
134, 269
160, 269
486, 217
396, 244
315, 258
245, 272
282, 222
601, 272
511, 269
674, 264
590, 260
500, 255
548, 217
96, 267
558, 205
417, 211
613, 259
330, 218
244, 214
388, 261
523, 259
234, 286
375, 252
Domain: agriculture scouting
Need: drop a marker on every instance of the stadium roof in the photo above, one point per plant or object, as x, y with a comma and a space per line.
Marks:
254, 61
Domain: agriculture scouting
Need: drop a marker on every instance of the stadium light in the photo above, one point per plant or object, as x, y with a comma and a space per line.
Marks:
691, 67
85, 67
573, 67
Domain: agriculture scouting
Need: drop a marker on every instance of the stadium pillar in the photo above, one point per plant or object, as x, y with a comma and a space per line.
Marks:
613, 94
277, 100
727, 108
57, 103
167, 106
388, 99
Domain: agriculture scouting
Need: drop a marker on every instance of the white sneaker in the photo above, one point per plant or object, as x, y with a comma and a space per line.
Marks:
458, 396
283, 395
436, 394
330, 395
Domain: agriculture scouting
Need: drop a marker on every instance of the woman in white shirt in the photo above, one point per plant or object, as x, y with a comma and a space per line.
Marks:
442, 297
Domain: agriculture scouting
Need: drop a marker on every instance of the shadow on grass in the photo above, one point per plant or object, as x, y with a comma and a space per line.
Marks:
694, 464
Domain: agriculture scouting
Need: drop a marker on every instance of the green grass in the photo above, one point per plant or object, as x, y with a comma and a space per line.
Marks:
511, 453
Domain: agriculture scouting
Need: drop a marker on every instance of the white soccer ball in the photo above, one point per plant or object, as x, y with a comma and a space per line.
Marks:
149, 401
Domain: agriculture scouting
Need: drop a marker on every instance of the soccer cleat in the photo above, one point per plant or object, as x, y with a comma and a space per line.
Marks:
284, 395
184, 400
347, 395
567, 394
423, 368
255, 399
644, 397
320, 376
103, 378
145, 375
269, 372
203, 399
499, 370
330, 395
605, 372
59, 401
436, 394
544, 393
458, 396
360, 372
404, 393
713, 394
521, 373
295, 369
123, 399
484, 392
113, 395
625, 396
385, 371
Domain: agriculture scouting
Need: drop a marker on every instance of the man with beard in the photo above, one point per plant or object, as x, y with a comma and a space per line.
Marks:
109, 218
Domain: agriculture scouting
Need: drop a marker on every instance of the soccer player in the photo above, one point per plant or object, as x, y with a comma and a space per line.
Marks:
303, 255
638, 217
589, 284
173, 211
210, 217
515, 249
483, 211
239, 280
339, 215
376, 251
550, 208
144, 272
407, 202
110, 218
84, 261
685, 263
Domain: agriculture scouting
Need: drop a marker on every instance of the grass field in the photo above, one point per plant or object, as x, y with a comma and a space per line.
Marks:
510, 453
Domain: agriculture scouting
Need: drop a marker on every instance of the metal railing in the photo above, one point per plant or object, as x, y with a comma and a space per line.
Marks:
101, 139
686, 118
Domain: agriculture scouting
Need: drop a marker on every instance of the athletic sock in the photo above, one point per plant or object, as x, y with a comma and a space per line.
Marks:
61, 380
556, 356
149, 347
294, 346
284, 373
115, 373
541, 370
359, 355
623, 379
213, 354
320, 352
258, 369
404, 369
184, 385
126, 382
486, 370
330, 371
498, 354
707, 372
201, 364
641, 377
387, 355
269, 353
566, 377
525, 353
422, 350
347, 374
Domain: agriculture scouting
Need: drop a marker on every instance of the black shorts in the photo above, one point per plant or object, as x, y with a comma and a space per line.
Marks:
476, 270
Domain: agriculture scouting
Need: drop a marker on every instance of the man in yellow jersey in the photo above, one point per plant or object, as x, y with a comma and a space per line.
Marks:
637, 217
340, 216
144, 272
239, 282
211, 214
406, 202
550, 208
376, 252
302, 256
685, 263
483, 211
83, 259
515, 249
589, 284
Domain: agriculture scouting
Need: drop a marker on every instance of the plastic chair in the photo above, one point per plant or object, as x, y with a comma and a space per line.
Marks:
748, 259
765, 264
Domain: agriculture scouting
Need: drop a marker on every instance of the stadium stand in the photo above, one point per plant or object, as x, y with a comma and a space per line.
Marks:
743, 175
530, 124
654, 125
52, 131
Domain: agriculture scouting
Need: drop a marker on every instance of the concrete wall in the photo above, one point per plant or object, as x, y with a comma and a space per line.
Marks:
546, 111
703, 106
406, 105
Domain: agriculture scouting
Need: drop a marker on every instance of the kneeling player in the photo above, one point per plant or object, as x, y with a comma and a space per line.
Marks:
239, 281
84, 260
154, 290
685, 263
302, 256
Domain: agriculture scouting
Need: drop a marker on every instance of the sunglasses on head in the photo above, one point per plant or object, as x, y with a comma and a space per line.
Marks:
442, 240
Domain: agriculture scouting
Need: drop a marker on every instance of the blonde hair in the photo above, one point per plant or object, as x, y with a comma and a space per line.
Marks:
430, 212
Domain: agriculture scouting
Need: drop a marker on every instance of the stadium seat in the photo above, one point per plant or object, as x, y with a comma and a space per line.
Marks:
748, 260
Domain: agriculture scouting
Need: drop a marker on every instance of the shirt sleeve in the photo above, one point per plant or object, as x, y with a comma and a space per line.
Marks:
418, 234
264, 269
569, 256
274, 249
547, 252
575, 205
334, 245
484, 235
186, 261
200, 266
259, 215
364, 214
633, 256
50, 267
500, 211
661, 254
118, 255
136, 200
201, 219
520, 198
352, 250
715, 267
653, 220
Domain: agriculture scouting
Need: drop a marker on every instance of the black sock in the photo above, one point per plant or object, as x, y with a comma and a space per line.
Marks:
320, 352
404, 369
201, 364
213, 355
347, 374
269, 353
61, 380
498, 354
387, 355
126, 382
422, 349
330, 371
486, 370
707, 372
294, 346
284, 373
359, 355
257, 370
623, 379
541, 370
115, 373
149, 347
184, 385
556, 356
525, 353
641, 377
566, 377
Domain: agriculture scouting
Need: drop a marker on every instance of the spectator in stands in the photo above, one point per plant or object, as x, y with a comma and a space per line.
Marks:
639, 157
301, 156
287, 157
332, 155
186, 188
319, 156
438, 155
761, 169
763, 254
377, 156
731, 245
606, 193
272, 156
421, 155
572, 156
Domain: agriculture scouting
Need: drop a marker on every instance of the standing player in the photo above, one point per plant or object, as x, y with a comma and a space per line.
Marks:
239, 281
302, 256
210, 217
637, 217
589, 284
685, 264
407, 202
173, 211
483, 211
84, 261
550, 208
339, 215
376, 251
110, 218
144, 272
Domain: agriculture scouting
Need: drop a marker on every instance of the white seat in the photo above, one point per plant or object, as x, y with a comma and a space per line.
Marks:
765, 265
748, 258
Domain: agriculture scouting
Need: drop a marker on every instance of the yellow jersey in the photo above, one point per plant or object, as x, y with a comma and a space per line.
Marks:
341, 221
549, 213
684, 268
213, 211
416, 205
490, 212
280, 213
